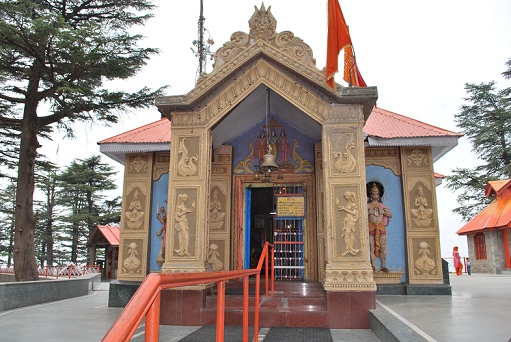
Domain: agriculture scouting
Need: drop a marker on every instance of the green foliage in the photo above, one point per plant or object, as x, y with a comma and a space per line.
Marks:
81, 195
7, 207
485, 119
62, 53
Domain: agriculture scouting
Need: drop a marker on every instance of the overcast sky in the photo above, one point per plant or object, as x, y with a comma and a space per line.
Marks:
418, 53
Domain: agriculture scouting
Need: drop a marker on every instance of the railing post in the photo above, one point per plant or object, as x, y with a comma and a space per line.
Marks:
220, 311
152, 320
245, 309
272, 269
256, 307
266, 270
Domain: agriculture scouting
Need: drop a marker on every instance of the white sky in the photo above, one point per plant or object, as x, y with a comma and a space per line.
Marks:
418, 53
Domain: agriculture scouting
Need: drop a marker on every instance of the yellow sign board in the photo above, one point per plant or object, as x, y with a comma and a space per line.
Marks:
290, 206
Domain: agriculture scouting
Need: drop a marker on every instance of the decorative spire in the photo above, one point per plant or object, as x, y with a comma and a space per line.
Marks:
262, 24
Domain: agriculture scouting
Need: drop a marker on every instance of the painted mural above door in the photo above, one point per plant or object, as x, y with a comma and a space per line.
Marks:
293, 150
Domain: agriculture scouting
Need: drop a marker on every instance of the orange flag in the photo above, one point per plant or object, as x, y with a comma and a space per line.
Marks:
351, 73
339, 38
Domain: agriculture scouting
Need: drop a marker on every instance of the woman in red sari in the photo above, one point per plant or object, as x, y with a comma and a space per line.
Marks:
458, 266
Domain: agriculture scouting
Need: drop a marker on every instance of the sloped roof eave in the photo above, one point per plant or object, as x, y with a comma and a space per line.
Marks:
117, 151
493, 217
440, 144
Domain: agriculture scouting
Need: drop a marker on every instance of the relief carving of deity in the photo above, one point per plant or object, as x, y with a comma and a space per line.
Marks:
217, 216
349, 223
181, 225
422, 215
187, 166
134, 215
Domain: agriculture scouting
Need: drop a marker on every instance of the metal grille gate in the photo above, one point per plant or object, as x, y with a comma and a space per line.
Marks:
288, 232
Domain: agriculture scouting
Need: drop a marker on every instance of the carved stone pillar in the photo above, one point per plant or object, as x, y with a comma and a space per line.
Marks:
188, 205
320, 206
347, 249
219, 247
421, 217
135, 217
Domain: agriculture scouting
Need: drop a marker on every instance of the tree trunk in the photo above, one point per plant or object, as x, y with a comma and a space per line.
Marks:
25, 264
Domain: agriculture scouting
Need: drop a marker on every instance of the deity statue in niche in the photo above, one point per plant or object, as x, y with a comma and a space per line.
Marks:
424, 264
349, 223
161, 215
379, 217
213, 258
217, 216
134, 215
181, 225
422, 215
273, 141
261, 147
284, 148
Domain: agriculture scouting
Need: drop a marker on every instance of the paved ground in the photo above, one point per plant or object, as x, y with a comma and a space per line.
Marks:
478, 310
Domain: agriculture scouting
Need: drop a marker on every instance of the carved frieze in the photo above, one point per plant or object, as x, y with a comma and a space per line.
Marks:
417, 159
307, 99
356, 280
161, 165
137, 165
385, 157
131, 263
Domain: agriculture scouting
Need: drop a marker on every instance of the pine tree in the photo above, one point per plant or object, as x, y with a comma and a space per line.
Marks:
62, 53
82, 191
7, 208
485, 119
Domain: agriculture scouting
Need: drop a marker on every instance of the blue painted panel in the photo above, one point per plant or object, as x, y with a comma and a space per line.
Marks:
241, 144
160, 195
393, 199
248, 204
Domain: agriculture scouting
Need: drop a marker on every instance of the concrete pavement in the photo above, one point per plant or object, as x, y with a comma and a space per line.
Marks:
478, 310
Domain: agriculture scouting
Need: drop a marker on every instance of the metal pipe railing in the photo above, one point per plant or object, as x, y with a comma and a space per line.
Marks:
146, 300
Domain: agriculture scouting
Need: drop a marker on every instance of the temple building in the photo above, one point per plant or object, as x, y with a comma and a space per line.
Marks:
263, 150
488, 234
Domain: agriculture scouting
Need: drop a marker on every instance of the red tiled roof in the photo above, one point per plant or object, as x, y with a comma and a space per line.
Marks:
439, 175
495, 216
155, 132
385, 124
111, 233
381, 123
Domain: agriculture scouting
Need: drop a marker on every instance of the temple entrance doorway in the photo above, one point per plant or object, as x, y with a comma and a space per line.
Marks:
276, 214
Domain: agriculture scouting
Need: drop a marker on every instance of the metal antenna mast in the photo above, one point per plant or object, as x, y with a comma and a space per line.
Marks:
202, 49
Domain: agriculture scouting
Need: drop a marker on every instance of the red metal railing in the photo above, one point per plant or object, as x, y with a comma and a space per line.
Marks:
146, 301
